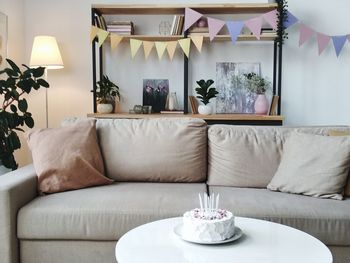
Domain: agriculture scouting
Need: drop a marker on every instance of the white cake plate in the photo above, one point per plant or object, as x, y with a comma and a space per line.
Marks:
237, 235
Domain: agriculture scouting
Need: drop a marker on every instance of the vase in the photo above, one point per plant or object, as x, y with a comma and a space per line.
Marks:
261, 105
204, 109
104, 108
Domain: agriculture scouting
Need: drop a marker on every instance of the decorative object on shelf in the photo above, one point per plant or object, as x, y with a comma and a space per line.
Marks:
172, 103
234, 97
155, 93
164, 28
258, 85
106, 94
205, 94
3, 40
14, 110
146, 109
138, 109
45, 53
202, 22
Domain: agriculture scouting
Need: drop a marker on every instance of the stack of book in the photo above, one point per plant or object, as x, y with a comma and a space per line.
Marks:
177, 26
199, 30
121, 27
100, 22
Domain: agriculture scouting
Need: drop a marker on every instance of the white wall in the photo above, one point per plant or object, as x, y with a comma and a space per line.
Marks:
315, 89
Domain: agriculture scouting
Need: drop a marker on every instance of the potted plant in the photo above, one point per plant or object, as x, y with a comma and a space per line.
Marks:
259, 86
14, 109
205, 94
106, 94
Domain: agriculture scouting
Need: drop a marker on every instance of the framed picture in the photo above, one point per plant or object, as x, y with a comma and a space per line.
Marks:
155, 93
3, 40
233, 97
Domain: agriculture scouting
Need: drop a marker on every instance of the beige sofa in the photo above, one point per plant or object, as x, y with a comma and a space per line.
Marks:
235, 161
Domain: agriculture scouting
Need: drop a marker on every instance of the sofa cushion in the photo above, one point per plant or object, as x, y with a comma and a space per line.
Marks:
106, 212
248, 156
326, 219
313, 165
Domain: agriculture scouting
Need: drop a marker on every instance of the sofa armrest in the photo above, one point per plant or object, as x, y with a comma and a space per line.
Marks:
17, 188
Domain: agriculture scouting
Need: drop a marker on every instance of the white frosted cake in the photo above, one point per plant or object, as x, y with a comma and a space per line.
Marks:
208, 226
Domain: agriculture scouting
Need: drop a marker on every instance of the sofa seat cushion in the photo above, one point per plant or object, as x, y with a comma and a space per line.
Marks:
106, 212
325, 219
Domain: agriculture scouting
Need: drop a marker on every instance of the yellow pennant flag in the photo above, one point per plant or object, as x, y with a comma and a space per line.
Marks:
198, 42
185, 44
160, 47
102, 35
147, 48
171, 47
115, 40
135, 45
93, 33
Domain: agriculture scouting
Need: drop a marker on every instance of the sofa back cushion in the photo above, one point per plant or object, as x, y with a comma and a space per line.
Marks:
243, 156
154, 150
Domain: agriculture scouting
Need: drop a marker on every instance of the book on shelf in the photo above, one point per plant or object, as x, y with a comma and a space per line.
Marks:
273, 105
121, 27
171, 112
194, 104
177, 25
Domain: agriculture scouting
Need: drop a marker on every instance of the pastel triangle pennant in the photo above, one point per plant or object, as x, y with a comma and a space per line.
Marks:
115, 40
322, 41
171, 47
271, 18
235, 29
290, 20
191, 17
135, 45
349, 38
102, 36
255, 25
305, 34
215, 26
339, 42
185, 44
147, 47
93, 33
160, 47
198, 42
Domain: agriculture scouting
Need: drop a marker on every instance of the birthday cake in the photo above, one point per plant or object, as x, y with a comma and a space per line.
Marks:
208, 223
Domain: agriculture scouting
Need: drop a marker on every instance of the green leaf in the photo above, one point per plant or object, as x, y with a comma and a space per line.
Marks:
13, 108
14, 66
38, 72
29, 122
43, 83
23, 105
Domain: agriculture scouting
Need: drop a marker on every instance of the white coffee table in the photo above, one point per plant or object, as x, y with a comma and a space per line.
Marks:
262, 242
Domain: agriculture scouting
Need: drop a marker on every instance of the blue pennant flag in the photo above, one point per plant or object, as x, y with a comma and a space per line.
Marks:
235, 29
290, 20
339, 42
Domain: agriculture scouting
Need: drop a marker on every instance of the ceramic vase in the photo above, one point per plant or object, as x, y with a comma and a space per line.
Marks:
204, 109
104, 108
261, 105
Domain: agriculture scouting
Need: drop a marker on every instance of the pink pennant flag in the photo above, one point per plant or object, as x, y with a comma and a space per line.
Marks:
305, 34
255, 25
215, 26
191, 17
322, 41
349, 38
271, 18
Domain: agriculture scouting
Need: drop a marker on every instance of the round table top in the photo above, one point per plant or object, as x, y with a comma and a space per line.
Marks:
261, 242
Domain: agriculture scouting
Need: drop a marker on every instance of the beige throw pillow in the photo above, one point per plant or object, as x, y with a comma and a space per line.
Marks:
313, 165
67, 158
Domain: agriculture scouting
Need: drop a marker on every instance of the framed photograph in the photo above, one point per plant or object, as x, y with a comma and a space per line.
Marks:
155, 93
233, 97
3, 40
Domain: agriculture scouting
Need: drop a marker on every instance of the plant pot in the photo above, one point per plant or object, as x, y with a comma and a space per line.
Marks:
261, 105
205, 109
3, 169
104, 108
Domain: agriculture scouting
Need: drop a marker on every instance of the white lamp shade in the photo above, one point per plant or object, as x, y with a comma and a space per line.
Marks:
45, 53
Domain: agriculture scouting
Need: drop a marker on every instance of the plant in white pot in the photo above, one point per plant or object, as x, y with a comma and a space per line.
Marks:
205, 94
258, 85
106, 94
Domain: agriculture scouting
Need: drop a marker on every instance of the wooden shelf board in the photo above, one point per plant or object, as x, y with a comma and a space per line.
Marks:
180, 9
227, 117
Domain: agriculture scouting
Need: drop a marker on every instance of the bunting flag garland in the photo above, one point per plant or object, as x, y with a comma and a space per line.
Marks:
198, 42
160, 47
322, 42
290, 20
339, 42
185, 44
235, 29
171, 47
214, 25
135, 45
147, 47
271, 18
305, 34
102, 36
115, 40
255, 25
93, 33
191, 17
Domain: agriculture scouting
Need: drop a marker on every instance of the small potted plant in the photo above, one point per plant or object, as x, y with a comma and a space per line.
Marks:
259, 86
205, 94
14, 113
106, 94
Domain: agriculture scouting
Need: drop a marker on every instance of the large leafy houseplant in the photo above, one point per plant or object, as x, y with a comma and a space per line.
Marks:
256, 84
205, 93
107, 91
14, 114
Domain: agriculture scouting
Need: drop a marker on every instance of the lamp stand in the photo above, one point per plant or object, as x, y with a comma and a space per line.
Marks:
46, 102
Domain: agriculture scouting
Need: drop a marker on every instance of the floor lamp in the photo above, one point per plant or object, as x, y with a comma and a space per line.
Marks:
45, 53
